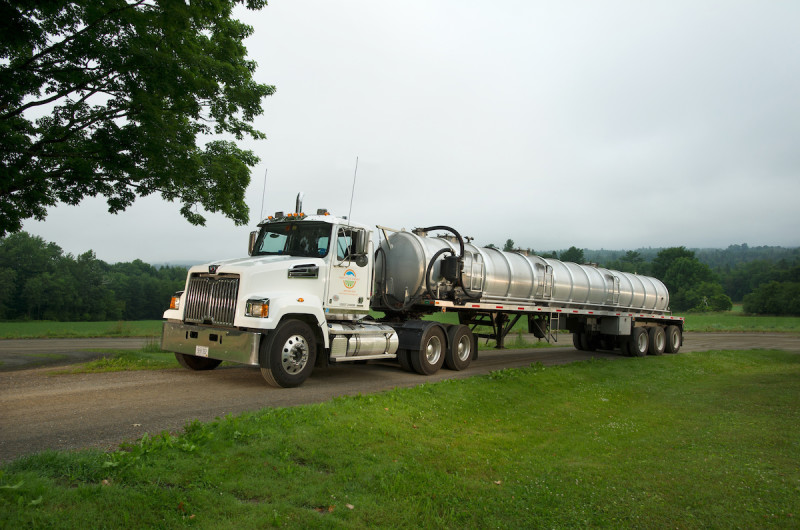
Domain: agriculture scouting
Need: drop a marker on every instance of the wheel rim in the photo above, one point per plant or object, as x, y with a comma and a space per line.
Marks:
661, 341
676, 339
294, 354
641, 343
463, 348
433, 351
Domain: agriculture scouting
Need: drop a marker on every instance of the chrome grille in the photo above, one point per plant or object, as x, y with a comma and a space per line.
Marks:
212, 300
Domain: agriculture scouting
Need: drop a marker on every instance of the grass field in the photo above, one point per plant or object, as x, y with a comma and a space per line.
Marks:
730, 321
693, 440
50, 330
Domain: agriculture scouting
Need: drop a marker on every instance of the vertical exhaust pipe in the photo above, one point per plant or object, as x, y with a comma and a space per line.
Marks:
298, 205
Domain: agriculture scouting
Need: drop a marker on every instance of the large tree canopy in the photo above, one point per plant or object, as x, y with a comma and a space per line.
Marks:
115, 98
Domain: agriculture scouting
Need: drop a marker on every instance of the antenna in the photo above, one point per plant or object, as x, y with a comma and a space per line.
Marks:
352, 192
263, 192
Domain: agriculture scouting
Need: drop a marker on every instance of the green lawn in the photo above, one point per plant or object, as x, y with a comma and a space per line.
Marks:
47, 329
693, 440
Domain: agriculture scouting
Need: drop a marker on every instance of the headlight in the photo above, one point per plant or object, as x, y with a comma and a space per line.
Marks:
175, 301
257, 307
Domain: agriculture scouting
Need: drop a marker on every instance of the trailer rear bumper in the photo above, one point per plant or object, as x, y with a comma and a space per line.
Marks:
215, 343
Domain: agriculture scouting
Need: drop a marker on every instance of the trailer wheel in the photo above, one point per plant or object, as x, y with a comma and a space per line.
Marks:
674, 339
638, 342
192, 362
588, 342
430, 356
459, 350
288, 354
657, 340
576, 341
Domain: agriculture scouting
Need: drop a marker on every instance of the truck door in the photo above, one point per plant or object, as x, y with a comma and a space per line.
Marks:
350, 280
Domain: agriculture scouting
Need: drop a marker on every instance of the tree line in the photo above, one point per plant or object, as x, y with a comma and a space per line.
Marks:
38, 281
765, 279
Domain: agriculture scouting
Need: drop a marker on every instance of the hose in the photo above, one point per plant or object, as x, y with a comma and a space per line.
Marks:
430, 267
460, 256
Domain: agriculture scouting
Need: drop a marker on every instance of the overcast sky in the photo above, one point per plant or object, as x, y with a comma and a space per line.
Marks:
613, 124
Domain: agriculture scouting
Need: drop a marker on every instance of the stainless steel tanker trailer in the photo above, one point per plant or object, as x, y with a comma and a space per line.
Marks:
312, 286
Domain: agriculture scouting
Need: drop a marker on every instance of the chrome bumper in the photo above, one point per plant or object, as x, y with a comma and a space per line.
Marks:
215, 343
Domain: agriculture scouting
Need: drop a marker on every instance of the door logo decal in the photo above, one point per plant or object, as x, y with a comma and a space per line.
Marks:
349, 278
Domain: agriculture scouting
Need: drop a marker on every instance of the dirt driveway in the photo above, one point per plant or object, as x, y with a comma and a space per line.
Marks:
41, 411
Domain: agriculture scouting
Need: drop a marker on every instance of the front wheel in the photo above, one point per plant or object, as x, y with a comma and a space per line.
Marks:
193, 362
287, 355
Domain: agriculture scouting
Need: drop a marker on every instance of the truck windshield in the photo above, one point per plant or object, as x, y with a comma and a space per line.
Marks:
302, 239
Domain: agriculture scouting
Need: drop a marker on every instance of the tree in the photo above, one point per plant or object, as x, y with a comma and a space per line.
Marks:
573, 254
509, 246
774, 298
113, 98
665, 257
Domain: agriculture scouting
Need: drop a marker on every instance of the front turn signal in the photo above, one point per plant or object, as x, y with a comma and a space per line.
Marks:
175, 301
257, 307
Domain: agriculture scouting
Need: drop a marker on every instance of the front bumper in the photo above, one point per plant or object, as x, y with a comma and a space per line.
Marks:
215, 343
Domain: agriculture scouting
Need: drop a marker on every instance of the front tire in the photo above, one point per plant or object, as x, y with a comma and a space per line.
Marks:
287, 355
192, 362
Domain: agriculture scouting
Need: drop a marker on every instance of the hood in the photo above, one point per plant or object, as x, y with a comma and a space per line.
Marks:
242, 265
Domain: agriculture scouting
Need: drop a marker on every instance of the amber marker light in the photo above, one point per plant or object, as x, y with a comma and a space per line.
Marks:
175, 301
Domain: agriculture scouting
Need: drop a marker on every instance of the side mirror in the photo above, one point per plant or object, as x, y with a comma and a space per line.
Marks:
252, 243
361, 242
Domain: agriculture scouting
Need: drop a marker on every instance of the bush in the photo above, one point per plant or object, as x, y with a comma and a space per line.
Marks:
774, 298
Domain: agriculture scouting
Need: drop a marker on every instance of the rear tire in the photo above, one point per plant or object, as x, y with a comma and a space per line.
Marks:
403, 359
459, 350
657, 340
588, 342
576, 341
430, 357
674, 339
192, 362
287, 355
638, 342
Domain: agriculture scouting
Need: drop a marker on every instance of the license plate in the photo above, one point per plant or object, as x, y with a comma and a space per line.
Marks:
201, 351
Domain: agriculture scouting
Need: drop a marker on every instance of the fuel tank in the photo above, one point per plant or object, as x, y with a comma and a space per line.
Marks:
495, 276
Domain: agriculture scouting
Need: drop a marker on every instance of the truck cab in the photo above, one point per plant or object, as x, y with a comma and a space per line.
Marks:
304, 289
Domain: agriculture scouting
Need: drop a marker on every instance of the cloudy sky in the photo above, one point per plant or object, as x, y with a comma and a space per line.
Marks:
614, 124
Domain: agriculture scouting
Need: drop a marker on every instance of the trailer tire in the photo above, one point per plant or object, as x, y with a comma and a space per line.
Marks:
430, 356
674, 339
192, 362
657, 340
576, 341
638, 342
460, 342
588, 342
288, 354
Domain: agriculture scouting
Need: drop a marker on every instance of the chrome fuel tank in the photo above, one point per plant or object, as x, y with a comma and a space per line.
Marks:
496, 276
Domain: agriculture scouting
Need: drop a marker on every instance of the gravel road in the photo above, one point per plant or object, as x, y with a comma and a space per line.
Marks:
39, 410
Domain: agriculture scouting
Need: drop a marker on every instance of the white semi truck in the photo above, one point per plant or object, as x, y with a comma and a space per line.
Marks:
304, 295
